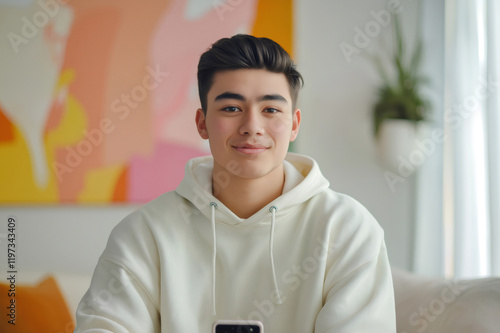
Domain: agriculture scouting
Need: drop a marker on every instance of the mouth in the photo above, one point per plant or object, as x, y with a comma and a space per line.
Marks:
250, 149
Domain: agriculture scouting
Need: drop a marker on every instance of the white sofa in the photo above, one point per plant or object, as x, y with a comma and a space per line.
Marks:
437, 305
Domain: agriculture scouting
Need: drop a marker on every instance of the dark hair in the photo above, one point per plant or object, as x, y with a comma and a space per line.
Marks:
246, 51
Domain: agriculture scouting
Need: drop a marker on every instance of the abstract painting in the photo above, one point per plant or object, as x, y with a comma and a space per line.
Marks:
98, 97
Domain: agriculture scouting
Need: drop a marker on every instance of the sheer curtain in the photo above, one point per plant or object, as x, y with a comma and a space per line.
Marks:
460, 235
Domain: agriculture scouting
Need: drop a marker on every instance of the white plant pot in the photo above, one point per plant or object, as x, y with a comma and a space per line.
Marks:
398, 146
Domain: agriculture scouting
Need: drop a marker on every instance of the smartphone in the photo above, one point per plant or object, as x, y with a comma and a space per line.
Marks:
238, 326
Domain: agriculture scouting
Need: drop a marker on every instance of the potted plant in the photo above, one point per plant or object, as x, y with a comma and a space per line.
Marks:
399, 107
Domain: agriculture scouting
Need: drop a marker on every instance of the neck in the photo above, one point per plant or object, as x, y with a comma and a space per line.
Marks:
244, 196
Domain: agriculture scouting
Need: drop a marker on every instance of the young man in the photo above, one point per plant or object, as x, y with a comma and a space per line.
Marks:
251, 233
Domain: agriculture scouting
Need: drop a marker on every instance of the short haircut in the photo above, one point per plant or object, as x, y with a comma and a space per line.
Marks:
246, 51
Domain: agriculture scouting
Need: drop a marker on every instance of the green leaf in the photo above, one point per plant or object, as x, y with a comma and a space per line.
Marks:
400, 98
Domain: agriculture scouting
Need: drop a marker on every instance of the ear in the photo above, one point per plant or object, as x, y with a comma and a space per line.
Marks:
295, 125
201, 124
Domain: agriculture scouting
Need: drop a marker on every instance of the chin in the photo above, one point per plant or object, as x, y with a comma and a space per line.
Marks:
256, 171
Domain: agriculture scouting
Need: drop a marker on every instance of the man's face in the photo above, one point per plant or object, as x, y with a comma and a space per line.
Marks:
249, 121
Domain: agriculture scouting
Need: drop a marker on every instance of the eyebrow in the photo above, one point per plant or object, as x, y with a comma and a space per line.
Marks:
274, 97
239, 97
230, 95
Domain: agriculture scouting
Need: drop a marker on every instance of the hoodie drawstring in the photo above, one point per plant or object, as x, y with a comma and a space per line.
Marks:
273, 210
214, 255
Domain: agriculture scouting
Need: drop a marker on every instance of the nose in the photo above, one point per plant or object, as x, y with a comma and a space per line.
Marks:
252, 123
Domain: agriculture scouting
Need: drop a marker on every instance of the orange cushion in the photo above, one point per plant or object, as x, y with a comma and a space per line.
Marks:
40, 308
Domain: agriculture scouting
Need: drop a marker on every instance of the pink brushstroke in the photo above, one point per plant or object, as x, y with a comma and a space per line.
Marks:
151, 176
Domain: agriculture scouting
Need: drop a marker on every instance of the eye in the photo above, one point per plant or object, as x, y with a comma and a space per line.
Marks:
272, 110
231, 109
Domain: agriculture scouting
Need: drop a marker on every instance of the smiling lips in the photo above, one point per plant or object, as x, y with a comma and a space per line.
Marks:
250, 149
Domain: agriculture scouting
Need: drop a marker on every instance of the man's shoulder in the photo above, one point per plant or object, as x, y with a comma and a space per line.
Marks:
340, 201
345, 214
139, 230
157, 211
162, 205
352, 230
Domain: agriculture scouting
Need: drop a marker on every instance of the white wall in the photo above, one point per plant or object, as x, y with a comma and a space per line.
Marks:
336, 104
66, 239
336, 131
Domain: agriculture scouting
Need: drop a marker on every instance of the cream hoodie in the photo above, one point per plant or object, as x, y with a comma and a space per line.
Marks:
313, 260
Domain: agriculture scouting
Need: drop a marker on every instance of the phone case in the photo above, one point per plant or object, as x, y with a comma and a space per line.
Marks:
239, 323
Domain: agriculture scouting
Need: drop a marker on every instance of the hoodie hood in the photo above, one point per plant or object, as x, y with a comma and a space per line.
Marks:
303, 180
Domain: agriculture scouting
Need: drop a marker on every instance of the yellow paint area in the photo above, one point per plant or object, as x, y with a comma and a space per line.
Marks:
275, 20
17, 184
100, 184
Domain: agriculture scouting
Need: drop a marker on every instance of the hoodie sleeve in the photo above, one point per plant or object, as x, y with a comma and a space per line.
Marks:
363, 301
120, 297
358, 293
